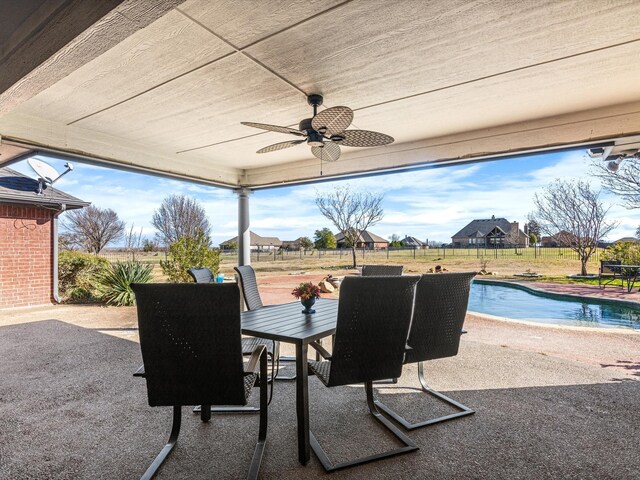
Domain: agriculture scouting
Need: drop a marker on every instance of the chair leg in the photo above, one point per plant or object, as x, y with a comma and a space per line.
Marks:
464, 410
409, 445
279, 359
173, 438
262, 433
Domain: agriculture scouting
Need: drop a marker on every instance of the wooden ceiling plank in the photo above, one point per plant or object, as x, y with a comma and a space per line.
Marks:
77, 33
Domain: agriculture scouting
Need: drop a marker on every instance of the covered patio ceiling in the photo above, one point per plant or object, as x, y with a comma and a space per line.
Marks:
162, 86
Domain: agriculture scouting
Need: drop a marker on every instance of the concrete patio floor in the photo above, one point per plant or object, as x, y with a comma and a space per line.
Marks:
551, 402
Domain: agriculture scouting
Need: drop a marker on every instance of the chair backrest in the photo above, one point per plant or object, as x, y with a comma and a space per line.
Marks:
249, 286
438, 316
201, 275
374, 314
190, 341
381, 270
605, 268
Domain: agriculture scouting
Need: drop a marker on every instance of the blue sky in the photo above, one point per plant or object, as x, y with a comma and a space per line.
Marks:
429, 204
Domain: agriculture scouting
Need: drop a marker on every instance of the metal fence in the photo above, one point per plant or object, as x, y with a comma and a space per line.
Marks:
391, 253
128, 255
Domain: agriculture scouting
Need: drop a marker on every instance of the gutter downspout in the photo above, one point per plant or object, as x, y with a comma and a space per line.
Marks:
63, 208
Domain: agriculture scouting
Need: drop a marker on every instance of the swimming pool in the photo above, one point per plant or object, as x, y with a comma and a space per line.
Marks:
513, 302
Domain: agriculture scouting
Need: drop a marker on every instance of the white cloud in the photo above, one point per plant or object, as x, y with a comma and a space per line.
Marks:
431, 203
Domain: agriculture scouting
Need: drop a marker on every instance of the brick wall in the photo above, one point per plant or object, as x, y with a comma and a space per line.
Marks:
26, 256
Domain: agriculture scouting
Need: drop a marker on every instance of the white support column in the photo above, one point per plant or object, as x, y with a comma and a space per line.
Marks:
244, 237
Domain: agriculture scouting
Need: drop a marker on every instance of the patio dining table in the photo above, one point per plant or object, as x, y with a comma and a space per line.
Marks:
628, 274
286, 323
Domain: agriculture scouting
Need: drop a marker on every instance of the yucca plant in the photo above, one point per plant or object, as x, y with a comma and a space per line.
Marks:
117, 279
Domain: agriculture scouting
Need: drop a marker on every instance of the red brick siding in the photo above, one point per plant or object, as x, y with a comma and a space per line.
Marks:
26, 256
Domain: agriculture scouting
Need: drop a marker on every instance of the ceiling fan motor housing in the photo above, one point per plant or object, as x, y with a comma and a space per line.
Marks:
314, 139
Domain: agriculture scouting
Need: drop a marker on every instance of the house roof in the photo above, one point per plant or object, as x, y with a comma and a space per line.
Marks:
365, 237
412, 241
257, 240
98, 84
627, 239
481, 227
16, 187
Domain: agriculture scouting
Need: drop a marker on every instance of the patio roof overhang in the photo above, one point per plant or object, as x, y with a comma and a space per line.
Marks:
162, 87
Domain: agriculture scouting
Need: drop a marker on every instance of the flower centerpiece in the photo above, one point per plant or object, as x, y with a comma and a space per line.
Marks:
307, 292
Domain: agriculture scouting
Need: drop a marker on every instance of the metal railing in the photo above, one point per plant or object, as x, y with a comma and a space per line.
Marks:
516, 253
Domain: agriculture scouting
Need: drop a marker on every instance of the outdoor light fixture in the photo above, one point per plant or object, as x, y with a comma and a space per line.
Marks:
614, 165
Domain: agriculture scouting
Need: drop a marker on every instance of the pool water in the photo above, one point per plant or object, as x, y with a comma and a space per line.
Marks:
510, 302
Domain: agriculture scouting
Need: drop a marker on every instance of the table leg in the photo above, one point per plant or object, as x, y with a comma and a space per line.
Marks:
302, 403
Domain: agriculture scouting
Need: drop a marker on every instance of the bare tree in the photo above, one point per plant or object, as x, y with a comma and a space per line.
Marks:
133, 240
351, 213
625, 182
177, 217
572, 212
93, 228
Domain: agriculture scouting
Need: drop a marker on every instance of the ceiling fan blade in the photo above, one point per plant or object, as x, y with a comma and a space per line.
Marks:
280, 146
333, 120
330, 152
364, 138
274, 128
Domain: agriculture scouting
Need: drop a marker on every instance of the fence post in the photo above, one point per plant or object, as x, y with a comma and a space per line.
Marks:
388, 248
414, 253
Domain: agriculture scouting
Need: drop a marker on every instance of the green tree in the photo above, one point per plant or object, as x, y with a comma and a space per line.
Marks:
324, 239
231, 245
149, 246
305, 242
190, 252
394, 241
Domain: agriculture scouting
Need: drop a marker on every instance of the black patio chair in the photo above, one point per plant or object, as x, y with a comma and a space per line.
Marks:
381, 270
190, 342
201, 275
251, 295
608, 273
204, 275
439, 312
374, 314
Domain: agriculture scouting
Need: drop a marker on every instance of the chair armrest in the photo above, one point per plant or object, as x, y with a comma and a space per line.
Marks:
140, 372
321, 350
258, 352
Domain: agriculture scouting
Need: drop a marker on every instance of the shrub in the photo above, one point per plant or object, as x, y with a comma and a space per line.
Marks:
190, 252
78, 275
115, 282
627, 252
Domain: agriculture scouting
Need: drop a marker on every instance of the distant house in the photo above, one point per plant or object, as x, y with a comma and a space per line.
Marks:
367, 240
560, 239
413, 242
491, 233
292, 245
29, 239
257, 243
626, 239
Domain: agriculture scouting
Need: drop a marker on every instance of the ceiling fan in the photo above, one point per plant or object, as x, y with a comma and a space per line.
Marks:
325, 132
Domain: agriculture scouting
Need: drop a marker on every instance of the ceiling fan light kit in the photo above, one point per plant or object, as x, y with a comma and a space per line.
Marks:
325, 132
